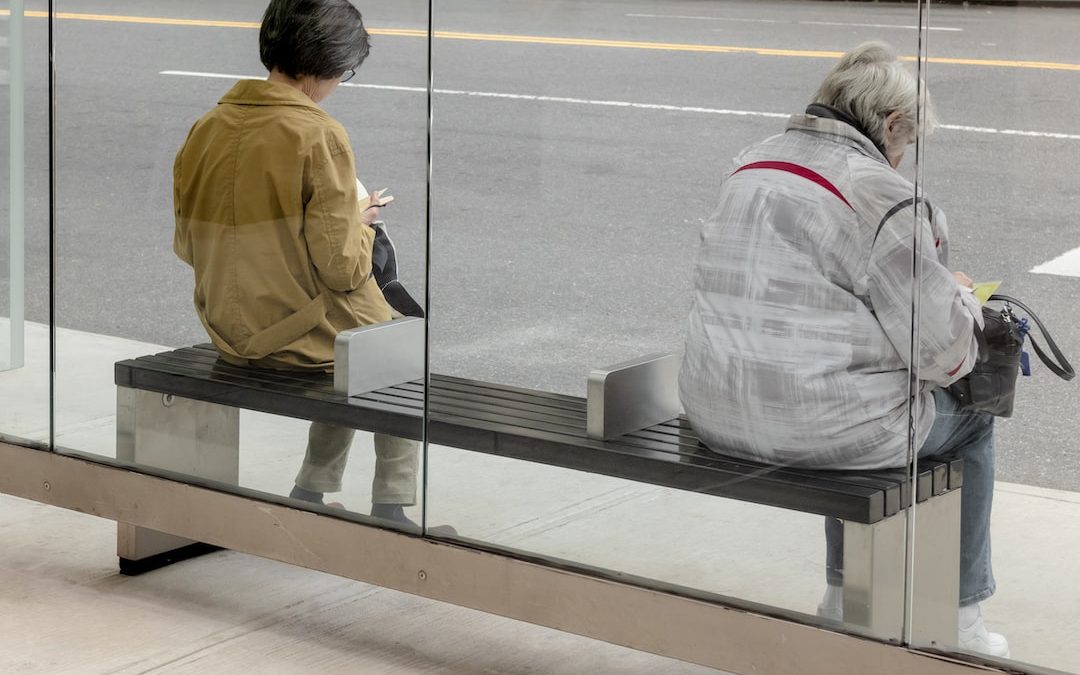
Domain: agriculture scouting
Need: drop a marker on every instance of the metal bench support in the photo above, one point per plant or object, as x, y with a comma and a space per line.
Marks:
936, 571
177, 434
874, 573
632, 395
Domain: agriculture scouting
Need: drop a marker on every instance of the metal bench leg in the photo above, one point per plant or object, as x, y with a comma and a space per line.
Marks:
874, 576
936, 574
168, 432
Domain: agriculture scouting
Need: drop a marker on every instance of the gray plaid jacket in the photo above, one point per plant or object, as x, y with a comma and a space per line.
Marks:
799, 335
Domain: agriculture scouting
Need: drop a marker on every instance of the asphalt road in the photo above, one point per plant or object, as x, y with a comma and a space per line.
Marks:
563, 231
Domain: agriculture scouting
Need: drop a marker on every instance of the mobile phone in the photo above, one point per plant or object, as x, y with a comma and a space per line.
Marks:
384, 198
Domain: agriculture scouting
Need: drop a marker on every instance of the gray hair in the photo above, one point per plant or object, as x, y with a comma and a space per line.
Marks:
868, 84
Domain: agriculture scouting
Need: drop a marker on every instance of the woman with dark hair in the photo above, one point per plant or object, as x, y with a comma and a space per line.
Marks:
268, 215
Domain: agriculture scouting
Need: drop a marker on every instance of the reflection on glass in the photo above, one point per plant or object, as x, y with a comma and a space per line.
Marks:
1003, 81
585, 184
247, 172
24, 221
12, 224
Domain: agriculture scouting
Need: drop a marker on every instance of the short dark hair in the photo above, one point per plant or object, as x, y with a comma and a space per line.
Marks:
321, 38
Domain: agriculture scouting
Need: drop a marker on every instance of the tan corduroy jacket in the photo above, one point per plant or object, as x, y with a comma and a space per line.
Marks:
267, 214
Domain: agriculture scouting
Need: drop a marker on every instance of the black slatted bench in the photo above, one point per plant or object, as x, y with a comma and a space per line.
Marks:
194, 389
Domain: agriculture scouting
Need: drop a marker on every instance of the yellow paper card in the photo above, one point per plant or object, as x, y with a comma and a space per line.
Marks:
984, 290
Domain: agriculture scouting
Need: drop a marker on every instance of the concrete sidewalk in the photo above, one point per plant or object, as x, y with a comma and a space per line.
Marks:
64, 610
757, 553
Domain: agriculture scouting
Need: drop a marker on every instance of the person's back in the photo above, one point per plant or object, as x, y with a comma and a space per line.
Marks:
268, 218
785, 361
799, 334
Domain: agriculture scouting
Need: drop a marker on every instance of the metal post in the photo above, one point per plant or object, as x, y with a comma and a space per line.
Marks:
16, 197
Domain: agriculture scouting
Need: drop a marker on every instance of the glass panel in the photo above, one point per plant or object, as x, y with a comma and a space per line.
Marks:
579, 150
12, 193
263, 218
24, 228
1004, 83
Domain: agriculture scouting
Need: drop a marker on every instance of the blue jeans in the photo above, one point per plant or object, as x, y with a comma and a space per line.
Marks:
970, 436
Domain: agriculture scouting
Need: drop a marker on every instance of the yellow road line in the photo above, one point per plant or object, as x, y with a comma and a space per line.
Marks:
572, 42
114, 18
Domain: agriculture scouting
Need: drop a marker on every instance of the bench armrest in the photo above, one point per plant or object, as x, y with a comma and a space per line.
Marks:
632, 395
378, 356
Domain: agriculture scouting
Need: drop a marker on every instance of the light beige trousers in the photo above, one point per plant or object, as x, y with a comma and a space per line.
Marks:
396, 462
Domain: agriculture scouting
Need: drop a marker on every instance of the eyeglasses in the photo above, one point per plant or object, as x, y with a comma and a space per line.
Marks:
348, 75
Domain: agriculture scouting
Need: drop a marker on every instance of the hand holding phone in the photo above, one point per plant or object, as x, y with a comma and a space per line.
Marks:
380, 198
963, 279
370, 203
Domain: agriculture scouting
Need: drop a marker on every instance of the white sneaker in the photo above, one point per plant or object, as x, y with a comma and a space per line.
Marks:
976, 638
831, 606
973, 635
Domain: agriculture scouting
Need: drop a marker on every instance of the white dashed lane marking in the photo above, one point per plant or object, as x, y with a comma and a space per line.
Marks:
628, 104
734, 19
1067, 265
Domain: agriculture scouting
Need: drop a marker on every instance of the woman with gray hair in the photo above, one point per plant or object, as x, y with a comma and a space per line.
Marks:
799, 338
268, 216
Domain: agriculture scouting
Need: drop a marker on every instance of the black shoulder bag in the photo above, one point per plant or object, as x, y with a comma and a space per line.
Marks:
991, 384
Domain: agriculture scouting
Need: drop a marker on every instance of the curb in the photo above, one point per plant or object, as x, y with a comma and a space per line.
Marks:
1063, 4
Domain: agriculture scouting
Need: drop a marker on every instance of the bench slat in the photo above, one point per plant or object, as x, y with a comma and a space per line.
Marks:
550, 398
933, 476
367, 415
660, 441
704, 476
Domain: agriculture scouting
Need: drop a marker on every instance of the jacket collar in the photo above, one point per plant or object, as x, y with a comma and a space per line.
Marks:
823, 119
265, 92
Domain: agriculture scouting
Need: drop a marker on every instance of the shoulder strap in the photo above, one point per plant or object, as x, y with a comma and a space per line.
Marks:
798, 170
900, 207
1062, 368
